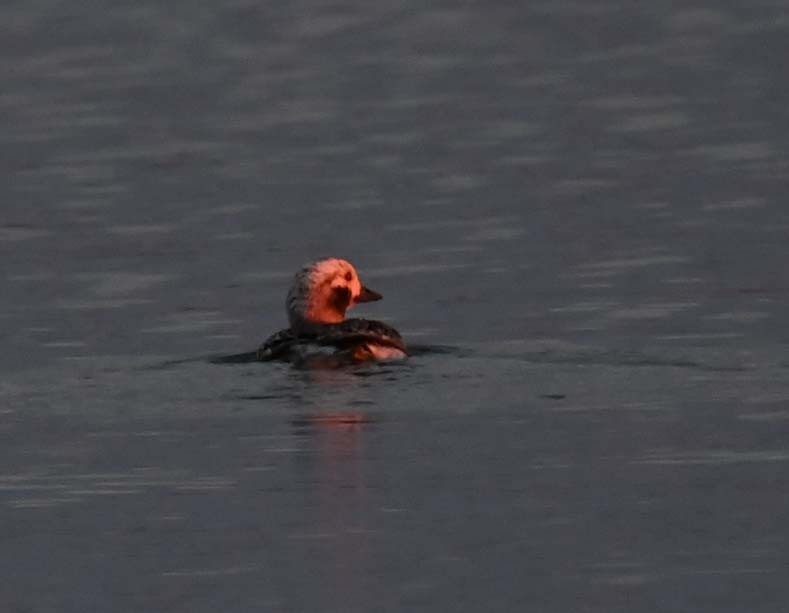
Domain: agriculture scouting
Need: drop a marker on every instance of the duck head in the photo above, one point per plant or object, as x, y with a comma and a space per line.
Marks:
323, 291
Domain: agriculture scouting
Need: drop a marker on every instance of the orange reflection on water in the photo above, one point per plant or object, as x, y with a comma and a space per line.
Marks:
332, 421
340, 495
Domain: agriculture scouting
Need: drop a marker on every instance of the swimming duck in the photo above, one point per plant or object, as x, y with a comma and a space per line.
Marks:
317, 301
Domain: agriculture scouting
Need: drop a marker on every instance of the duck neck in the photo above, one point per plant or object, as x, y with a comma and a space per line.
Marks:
309, 326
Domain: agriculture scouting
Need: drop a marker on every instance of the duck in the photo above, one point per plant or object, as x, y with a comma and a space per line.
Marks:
319, 297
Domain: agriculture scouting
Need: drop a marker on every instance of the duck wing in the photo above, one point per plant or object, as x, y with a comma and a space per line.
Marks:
354, 331
279, 344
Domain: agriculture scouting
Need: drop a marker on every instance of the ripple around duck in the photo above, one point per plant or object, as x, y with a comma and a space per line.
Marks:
538, 353
248, 357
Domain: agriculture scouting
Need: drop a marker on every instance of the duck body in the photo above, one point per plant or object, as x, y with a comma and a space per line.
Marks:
320, 295
353, 340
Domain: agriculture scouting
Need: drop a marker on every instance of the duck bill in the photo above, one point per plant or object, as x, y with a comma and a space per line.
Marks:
368, 295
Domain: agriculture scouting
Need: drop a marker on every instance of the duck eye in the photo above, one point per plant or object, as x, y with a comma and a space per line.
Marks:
348, 276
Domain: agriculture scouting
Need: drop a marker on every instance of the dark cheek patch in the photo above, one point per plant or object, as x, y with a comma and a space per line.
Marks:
340, 299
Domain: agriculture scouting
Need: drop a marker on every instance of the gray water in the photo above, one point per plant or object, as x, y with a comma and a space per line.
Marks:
577, 208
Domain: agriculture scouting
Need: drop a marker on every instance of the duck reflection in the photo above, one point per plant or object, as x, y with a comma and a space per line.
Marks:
336, 468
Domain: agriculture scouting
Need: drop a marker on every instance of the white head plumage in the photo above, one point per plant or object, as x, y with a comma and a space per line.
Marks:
323, 291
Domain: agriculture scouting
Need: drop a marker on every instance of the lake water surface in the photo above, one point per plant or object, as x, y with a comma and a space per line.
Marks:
578, 208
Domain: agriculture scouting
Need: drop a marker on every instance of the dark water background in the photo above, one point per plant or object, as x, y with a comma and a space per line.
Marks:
583, 202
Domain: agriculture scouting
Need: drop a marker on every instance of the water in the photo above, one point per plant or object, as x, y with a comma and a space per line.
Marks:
578, 208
